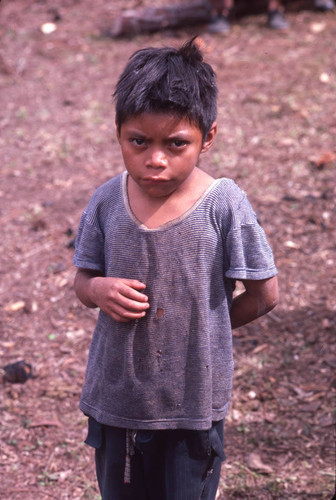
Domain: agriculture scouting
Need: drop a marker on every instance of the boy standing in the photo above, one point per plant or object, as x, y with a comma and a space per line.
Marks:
158, 250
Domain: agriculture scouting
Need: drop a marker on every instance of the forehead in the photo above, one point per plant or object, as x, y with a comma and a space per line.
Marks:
166, 124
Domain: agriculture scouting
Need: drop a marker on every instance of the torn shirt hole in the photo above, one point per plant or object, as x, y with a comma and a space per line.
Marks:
159, 313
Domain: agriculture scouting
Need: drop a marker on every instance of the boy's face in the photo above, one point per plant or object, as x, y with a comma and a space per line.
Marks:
161, 150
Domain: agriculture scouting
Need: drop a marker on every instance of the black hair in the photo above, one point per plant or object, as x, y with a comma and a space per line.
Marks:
168, 80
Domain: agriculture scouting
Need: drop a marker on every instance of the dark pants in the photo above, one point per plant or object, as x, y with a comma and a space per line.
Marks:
166, 465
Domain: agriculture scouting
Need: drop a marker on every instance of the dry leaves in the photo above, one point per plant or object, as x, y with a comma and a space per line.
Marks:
254, 462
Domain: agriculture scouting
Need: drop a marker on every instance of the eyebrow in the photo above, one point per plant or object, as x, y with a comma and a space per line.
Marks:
176, 135
136, 132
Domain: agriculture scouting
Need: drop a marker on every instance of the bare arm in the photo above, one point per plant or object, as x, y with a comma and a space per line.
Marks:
120, 298
259, 297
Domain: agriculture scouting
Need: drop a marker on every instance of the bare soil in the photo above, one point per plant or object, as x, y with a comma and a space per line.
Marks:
277, 130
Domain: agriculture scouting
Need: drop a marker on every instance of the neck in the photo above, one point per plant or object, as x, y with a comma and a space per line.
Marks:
154, 212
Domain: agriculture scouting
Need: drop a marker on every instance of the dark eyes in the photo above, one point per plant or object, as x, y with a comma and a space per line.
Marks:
176, 143
137, 141
179, 143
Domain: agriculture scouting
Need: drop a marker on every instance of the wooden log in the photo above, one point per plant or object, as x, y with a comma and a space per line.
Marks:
134, 21
194, 12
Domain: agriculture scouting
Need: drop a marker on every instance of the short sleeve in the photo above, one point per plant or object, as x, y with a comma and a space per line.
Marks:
89, 247
250, 255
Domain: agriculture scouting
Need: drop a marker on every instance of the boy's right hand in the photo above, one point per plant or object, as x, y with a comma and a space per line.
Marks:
120, 298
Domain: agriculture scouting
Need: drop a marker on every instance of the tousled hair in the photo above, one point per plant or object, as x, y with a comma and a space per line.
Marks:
168, 80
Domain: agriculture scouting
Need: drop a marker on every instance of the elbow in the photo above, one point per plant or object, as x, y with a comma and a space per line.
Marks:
272, 297
77, 285
272, 304
266, 307
269, 302
272, 301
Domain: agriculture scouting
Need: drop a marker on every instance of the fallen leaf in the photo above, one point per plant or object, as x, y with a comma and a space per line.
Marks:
236, 415
327, 421
254, 462
317, 27
8, 344
291, 244
326, 323
269, 417
45, 422
252, 395
322, 160
48, 28
324, 78
260, 348
16, 306
311, 407
301, 393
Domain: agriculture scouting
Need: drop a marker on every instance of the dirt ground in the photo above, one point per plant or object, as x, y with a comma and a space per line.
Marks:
277, 130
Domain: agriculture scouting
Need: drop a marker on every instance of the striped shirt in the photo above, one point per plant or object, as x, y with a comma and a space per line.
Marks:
173, 368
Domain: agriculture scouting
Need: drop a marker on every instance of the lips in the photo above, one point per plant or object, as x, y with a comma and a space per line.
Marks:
154, 179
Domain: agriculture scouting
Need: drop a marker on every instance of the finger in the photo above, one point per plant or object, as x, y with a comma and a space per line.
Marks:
135, 286
126, 316
131, 293
127, 308
138, 285
131, 305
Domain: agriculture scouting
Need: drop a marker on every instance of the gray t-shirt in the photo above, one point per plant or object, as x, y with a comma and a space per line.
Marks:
173, 368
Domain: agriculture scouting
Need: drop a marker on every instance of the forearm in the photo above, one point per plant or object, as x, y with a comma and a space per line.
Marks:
245, 309
258, 299
84, 282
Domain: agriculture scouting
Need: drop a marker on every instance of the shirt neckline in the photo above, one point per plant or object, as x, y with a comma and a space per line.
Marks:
170, 223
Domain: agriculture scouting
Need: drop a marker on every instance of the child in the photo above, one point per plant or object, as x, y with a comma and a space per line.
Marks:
158, 250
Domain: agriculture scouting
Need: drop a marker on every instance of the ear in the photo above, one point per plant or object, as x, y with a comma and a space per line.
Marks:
207, 143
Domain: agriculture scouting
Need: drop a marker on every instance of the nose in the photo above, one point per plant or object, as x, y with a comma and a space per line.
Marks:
156, 159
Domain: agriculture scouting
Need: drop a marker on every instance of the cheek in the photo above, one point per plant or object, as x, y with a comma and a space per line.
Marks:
127, 155
133, 163
191, 158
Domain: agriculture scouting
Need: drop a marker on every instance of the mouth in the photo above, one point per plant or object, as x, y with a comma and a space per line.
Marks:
153, 180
